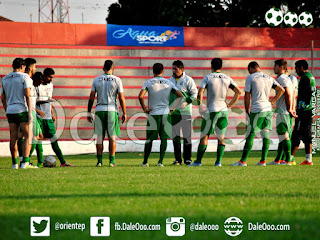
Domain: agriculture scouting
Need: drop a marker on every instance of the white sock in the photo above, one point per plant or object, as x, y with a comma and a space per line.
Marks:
291, 157
309, 157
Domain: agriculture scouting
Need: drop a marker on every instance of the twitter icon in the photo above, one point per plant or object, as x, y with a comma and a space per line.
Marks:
40, 226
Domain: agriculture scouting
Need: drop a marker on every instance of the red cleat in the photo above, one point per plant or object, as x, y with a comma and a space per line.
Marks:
306, 163
67, 165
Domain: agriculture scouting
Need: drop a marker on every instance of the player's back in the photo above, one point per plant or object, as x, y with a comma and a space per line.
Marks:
107, 88
285, 82
158, 94
259, 85
217, 85
13, 85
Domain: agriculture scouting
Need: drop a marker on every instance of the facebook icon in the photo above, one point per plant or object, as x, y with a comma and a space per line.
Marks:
99, 226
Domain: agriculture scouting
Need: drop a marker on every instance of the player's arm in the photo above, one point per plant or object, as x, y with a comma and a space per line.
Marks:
123, 106
4, 100
90, 104
280, 91
141, 101
52, 113
177, 101
27, 95
202, 108
247, 99
192, 89
287, 97
237, 93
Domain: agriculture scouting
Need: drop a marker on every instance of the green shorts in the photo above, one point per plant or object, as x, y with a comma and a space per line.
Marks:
260, 121
284, 124
47, 127
159, 125
214, 122
36, 125
18, 118
107, 121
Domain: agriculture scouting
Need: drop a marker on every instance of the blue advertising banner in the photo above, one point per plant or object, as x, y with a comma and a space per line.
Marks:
126, 35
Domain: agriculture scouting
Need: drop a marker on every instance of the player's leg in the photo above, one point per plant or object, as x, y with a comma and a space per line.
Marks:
307, 139
296, 137
99, 130
176, 138
220, 130
24, 125
14, 128
113, 131
187, 140
164, 133
151, 134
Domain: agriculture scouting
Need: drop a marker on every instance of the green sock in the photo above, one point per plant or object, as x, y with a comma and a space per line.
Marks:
39, 150
220, 152
287, 149
33, 147
280, 152
147, 151
200, 152
112, 158
15, 160
26, 159
99, 157
247, 147
265, 149
57, 151
20, 143
163, 148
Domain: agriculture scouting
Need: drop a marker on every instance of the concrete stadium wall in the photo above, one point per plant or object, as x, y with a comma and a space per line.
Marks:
95, 35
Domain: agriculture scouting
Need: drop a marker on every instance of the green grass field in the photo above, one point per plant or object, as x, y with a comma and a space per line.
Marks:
128, 193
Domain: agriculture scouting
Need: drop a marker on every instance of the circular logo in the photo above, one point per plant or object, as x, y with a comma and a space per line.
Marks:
175, 227
233, 226
290, 19
305, 19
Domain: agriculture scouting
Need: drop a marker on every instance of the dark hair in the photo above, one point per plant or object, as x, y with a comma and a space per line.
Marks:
216, 63
178, 63
29, 62
107, 65
37, 76
281, 63
157, 68
17, 63
48, 72
253, 64
302, 63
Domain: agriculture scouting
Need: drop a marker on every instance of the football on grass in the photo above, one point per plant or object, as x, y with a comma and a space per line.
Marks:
49, 162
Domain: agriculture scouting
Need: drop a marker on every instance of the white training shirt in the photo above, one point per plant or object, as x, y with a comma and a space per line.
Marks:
13, 86
185, 85
159, 90
285, 82
217, 85
44, 92
260, 85
294, 81
107, 88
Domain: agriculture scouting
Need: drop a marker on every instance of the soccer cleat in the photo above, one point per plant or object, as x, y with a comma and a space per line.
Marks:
176, 163
67, 165
144, 165
99, 164
40, 165
273, 163
293, 163
195, 164
187, 162
112, 165
241, 164
218, 164
286, 163
27, 165
306, 163
15, 166
261, 163
160, 165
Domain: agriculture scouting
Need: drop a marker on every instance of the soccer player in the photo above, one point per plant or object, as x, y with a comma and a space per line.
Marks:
258, 86
44, 92
294, 82
302, 127
158, 122
285, 113
107, 87
181, 118
216, 120
16, 100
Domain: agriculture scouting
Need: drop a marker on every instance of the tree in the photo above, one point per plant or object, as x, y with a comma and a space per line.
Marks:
204, 13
